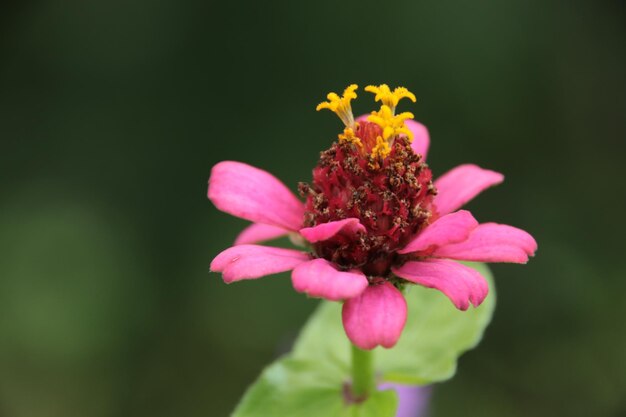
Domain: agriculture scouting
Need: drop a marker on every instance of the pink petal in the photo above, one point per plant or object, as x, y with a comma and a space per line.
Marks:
325, 231
253, 194
258, 232
362, 117
451, 228
421, 138
491, 242
376, 317
461, 184
461, 284
319, 278
254, 261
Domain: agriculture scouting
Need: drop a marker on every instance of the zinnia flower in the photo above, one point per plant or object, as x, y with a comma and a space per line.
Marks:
373, 221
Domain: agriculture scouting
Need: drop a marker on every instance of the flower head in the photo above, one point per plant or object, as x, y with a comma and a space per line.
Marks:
373, 221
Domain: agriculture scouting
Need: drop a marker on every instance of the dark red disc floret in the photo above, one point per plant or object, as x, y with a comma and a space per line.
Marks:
392, 197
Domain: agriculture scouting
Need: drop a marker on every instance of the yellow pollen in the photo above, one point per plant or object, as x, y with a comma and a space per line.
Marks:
390, 98
349, 136
341, 105
382, 148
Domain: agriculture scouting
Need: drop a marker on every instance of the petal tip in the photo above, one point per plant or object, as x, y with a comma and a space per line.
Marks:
254, 261
449, 229
254, 194
376, 317
462, 284
461, 184
320, 279
325, 231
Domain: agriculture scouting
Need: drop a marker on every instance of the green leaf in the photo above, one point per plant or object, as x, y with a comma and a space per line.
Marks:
310, 381
436, 334
379, 404
301, 388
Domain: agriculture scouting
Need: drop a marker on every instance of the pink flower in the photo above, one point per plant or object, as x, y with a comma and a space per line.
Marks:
373, 220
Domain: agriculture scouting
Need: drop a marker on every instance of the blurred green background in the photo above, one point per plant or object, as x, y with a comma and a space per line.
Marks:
112, 114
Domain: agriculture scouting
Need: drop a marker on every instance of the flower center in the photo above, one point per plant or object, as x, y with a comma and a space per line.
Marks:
372, 174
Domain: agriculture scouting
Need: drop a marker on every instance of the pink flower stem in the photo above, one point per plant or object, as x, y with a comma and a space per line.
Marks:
362, 372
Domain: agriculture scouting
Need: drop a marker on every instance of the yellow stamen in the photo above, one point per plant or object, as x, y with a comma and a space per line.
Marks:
348, 135
382, 148
391, 124
341, 105
390, 98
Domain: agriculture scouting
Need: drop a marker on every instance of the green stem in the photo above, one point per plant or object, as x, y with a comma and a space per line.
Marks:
362, 371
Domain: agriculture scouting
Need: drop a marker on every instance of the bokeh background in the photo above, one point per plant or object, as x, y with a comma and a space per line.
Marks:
112, 114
